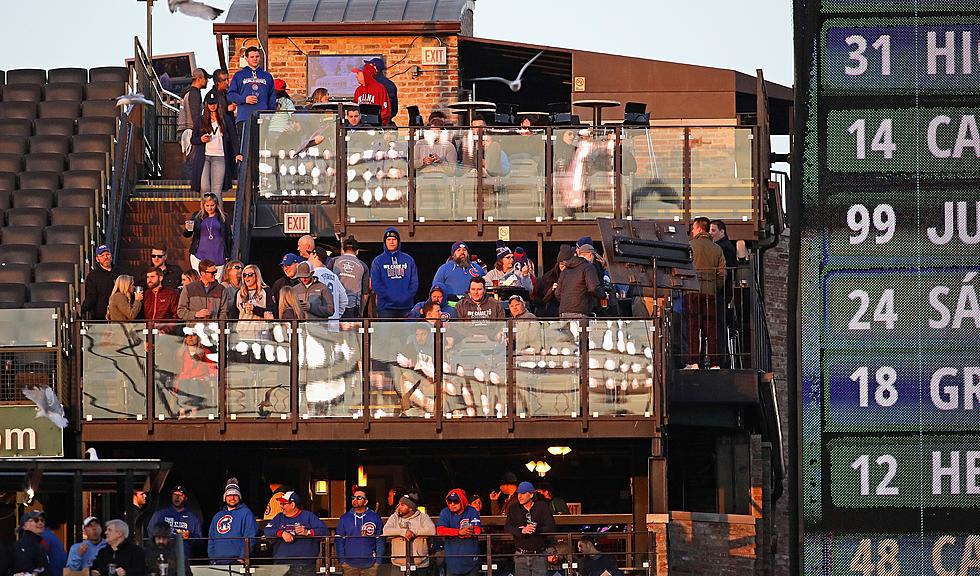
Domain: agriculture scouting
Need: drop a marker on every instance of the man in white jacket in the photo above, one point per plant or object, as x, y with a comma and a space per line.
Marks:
412, 526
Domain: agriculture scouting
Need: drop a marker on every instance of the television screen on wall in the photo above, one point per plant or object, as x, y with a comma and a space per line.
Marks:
333, 72
174, 70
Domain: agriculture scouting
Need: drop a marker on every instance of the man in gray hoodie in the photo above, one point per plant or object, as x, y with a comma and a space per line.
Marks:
410, 526
477, 305
204, 298
314, 297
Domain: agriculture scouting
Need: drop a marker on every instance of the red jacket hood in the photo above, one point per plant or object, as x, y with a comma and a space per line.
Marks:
462, 497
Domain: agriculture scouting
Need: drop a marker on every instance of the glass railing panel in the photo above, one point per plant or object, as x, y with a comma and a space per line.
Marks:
721, 173
547, 368
517, 193
584, 176
377, 174
257, 369
402, 369
445, 178
297, 156
475, 369
29, 327
186, 371
653, 172
621, 368
113, 371
330, 382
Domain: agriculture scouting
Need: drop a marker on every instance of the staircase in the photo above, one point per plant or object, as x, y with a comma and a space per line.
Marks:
155, 212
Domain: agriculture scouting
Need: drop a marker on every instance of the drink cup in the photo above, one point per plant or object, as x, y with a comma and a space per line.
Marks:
112, 570
189, 225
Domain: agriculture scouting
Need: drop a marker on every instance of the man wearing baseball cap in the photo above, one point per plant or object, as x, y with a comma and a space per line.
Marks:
82, 555
229, 528
99, 283
29, 555
181, 520
288, 264
530, 522
298, 532
354, 276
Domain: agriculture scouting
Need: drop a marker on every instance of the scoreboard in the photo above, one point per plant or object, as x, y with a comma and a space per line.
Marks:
887, 226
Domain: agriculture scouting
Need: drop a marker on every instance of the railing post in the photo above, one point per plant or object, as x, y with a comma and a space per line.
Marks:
222, 374
151, 381
687, 178
295, 335
618, 174
412, 199
437, 372
583, 371
511, 382
341, 140
479, 159
549, 178
366, 372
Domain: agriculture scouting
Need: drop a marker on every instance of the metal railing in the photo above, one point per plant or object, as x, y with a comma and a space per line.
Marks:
32, 353
159, 120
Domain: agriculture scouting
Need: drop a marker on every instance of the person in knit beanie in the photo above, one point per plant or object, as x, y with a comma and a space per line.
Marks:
504, 272
229, 528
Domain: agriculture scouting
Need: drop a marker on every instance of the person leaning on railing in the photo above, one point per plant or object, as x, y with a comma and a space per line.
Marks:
298, 532
407, 524
230, 527
530, 521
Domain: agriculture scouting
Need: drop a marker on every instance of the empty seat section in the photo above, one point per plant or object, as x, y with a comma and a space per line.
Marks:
27, 76
8, 182
65, 75
97, 125
61, 253
33, 198
71, 216
44, 162
13, 145
39, 179
96, 90
11, 163
5, 200
50, 144
12, 295
118, 74
54, 272
22, 235
27, 217
21, 93
22, 110
18, 254
58, 292
15, 274
54, 127
71, 92
15, 127
82, 179
88, 161
63, 234
98, 108
91, 143
75, 198
58, 109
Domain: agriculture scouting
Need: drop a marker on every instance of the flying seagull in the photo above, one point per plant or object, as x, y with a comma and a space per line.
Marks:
194, 8
514, 85
48, 405
132, 99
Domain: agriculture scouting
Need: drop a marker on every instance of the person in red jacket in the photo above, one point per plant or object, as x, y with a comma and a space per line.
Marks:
371, 91
160, 302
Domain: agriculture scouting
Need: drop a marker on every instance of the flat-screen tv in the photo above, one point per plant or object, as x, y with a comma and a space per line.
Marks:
333, 72
174, 70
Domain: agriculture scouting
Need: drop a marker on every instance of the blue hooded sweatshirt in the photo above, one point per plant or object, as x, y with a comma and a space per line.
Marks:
462, 552
183, 520
359, 542
228, 529
248, 82
448, 311
303, 549
394, 277
455, 278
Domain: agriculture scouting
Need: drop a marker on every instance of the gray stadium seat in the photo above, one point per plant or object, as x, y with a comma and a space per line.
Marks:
58, 109
22, 235
18, 254
82, 179
54, 127
75, 198
15, 127
22, 93
71, 216
88, 161
54, 272
27, 76
118, 74
61, 234
3, 77
50, 144
91, 143
27, 217
23, 110
67, 91
96, 125
44, 162
8, 181
61, 253
96, 90
59, 292
39, 179
12, 295
11, 163
13, 145
73, 75
15, 274
99, 108
33, 198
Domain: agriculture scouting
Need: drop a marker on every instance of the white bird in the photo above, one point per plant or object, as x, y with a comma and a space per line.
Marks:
48, 405
193, 8
91, 454
133, 99
514, 85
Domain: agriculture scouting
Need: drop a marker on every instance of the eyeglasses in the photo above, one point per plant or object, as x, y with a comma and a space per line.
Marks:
236, 267
358, 498
248, 274
211, 272
158, 256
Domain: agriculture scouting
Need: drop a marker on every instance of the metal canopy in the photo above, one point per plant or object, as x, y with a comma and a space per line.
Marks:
299, 11
62, 471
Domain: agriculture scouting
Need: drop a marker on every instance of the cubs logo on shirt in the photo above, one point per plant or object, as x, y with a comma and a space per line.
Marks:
368, 529
224, 524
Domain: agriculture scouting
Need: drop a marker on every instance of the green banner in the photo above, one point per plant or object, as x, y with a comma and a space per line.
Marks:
24, 436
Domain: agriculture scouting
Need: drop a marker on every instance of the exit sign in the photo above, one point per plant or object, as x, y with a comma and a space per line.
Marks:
434, 56
297, 222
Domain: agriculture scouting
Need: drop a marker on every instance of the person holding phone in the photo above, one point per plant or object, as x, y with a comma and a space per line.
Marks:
434, 150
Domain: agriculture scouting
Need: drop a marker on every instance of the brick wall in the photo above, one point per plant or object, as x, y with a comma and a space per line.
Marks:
430, 91
695, 543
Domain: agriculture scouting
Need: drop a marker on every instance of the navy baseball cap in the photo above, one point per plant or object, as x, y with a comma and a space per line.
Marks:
290, 259
102, 249
378, 63
525, 488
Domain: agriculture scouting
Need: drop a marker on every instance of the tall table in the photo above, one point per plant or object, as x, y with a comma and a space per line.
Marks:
467, 107
596, 106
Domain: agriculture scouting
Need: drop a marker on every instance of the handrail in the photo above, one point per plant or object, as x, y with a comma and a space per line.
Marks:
242, 218
165, 104
122, 184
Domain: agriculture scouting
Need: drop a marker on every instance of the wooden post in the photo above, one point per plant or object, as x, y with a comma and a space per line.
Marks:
262, 29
